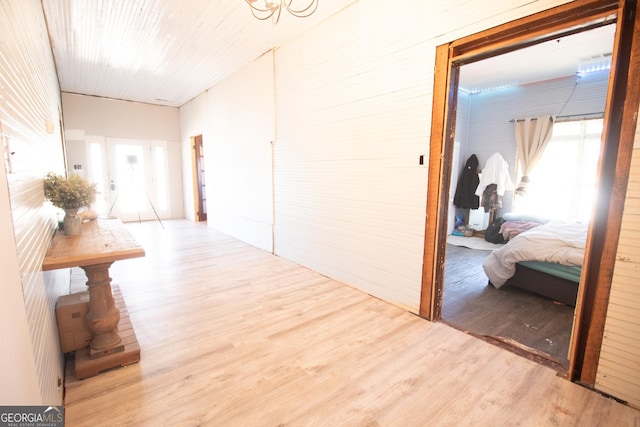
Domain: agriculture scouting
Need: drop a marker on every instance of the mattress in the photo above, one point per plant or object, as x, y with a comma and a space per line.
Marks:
569, 272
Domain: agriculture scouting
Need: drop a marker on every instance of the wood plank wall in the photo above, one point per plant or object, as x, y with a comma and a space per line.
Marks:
352, 123
30, 117
619, 366
353, 107
237, 140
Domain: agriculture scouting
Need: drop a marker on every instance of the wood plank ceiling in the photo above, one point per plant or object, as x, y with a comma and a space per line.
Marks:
163, 52
167, 52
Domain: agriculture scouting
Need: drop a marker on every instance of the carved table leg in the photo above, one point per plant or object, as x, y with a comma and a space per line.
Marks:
103, 315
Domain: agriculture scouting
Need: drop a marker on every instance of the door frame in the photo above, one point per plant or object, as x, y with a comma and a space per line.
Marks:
151, 193
617, 145
199, 196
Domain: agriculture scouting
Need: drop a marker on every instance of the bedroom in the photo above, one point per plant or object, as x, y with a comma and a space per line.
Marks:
485, 125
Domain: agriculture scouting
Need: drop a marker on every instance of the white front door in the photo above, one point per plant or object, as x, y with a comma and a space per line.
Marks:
137, 179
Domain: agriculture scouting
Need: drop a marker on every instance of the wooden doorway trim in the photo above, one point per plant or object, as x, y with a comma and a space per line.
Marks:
199, 195
622, 106
620, 121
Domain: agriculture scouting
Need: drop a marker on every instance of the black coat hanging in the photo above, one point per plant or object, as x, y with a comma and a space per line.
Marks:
465, 197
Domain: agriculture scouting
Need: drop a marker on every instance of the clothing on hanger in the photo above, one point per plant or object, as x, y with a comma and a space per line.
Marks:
496, 171
465, 197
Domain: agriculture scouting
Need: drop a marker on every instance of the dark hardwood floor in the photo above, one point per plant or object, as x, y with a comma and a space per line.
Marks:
509, 315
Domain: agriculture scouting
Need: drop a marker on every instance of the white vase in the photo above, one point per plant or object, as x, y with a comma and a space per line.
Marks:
72, 223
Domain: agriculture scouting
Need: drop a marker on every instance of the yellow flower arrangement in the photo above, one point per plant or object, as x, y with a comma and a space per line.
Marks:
72, 192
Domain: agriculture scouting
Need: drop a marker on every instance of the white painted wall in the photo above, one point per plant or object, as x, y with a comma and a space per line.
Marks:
31, 363
109, 118
238, 154
353, 119
17, 362
619, 366
238, 130
120, 119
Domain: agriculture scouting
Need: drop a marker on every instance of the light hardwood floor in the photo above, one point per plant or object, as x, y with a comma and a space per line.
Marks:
231, 335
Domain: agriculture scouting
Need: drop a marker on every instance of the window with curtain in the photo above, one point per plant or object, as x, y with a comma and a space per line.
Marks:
563, 183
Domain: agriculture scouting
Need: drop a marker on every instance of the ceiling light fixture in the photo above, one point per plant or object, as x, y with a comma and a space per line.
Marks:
265, 9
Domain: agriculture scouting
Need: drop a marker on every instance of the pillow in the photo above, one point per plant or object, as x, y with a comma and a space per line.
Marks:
511, 229
511, 216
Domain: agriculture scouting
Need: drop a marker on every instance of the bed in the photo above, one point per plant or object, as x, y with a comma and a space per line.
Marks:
545, 259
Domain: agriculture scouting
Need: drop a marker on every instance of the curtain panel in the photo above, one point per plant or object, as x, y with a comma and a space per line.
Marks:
532, 137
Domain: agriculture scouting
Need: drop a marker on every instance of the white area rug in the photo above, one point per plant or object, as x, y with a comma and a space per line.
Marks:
473, 243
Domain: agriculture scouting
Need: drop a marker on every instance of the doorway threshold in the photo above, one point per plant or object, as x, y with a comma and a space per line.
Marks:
535, 355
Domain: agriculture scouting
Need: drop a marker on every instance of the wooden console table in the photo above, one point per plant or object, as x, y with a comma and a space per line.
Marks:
102, 242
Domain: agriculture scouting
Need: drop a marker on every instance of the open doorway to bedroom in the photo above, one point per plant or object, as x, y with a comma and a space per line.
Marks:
564, 79
619, 125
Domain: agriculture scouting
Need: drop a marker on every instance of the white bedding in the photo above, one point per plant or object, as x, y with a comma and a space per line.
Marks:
556, 241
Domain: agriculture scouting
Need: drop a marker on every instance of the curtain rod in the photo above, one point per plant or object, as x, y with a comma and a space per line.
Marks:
567, 117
